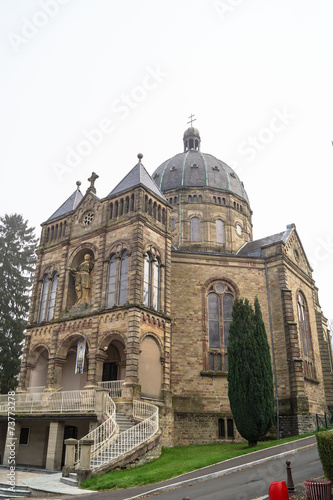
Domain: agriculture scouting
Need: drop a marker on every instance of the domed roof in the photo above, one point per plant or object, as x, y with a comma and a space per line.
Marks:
191, 131
192, 168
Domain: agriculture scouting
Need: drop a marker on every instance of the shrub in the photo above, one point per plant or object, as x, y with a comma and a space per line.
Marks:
325, 450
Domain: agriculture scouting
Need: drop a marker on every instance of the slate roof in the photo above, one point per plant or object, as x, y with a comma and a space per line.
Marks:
68, 206
196, 169
136, 177
254, 248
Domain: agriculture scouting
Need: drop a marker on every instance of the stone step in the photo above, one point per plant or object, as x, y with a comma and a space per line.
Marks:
71, 481
16, 491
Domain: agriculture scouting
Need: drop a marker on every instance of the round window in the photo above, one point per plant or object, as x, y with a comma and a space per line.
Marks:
88, 218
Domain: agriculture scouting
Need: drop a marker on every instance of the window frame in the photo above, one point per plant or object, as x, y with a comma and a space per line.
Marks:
116, 263
48, 297
151, 296
306, 348
195, 230
220, 321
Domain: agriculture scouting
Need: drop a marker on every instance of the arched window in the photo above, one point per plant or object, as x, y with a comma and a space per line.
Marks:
190, 198
219, 310
116, 293
123, 278
195, 198
43, 298
304, 326
220, 231
47, 300
52, 296
195, 229
152, 282
111, 286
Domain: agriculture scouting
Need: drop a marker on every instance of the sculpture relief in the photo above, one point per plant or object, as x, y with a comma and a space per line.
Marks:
83, 280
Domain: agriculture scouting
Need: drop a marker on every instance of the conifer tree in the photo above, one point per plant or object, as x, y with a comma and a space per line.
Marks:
17, 246
250, 378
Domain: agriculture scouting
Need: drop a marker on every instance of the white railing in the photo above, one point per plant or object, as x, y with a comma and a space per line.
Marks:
133, 437
51, 402
103, 433
113, 386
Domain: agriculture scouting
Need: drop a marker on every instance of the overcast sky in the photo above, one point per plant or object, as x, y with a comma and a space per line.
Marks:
88, 84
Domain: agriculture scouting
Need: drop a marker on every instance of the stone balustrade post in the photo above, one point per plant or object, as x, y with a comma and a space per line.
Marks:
84, 470
101, 396
69, 456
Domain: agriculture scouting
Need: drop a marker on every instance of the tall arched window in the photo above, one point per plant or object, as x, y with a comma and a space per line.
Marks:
123, 277
220, 231
304, 326
195, 229
52, 296
219, 307
116, 293
152, 282
47, 299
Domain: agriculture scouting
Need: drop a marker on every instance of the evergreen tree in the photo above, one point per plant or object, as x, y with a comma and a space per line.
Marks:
250, 378
17, 246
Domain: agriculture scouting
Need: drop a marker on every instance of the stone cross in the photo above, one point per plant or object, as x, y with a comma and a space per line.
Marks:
92, 179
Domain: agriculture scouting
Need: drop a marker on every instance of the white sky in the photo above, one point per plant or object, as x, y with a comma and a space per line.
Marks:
69, 66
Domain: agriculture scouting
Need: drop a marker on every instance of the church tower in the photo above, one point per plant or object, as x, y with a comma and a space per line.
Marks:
103, 284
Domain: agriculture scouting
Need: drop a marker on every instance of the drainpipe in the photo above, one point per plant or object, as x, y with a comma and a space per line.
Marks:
273, 353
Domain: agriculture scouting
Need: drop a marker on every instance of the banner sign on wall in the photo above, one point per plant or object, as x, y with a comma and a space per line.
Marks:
80, 353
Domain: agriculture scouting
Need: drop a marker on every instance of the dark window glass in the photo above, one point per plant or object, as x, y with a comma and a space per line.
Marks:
221, 428
230, 428
214, 321
111, 287
211, 361
123, 275
227, 305
24, 435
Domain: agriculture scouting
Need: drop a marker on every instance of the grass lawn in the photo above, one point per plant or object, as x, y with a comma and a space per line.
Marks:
176, 461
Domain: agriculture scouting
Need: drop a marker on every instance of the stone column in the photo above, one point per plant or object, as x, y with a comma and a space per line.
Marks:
55, 445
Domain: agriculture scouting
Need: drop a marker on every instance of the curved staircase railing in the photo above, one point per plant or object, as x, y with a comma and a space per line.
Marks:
131, 438
104, 432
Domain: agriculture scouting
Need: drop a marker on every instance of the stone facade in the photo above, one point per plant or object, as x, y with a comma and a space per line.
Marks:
148, 320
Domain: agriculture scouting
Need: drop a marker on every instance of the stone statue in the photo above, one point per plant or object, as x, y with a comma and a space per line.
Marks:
83, 280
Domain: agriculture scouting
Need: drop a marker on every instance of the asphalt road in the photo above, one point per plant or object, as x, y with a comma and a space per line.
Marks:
250, 483
242, 484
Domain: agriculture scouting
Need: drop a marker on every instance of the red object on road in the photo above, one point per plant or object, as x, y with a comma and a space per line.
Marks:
278, 491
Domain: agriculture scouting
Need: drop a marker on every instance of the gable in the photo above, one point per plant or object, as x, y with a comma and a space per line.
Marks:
295, 252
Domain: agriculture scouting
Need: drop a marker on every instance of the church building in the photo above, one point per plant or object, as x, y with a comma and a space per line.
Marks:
135, 291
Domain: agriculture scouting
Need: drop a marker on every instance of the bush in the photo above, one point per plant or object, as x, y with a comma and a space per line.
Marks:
325, 450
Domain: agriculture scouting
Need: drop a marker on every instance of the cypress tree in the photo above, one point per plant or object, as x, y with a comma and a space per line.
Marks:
250, 378
17, 246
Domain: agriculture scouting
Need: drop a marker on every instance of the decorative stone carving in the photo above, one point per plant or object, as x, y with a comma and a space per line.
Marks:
83, 280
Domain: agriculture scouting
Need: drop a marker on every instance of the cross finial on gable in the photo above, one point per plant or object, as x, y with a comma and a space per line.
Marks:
92, 180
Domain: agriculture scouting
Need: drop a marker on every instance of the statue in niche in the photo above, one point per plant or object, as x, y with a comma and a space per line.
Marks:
83, 280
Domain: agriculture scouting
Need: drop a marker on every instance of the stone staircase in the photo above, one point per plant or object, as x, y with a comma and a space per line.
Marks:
16, 491
124, 423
